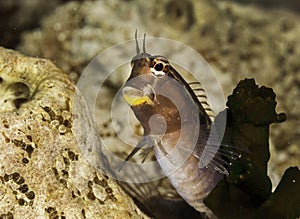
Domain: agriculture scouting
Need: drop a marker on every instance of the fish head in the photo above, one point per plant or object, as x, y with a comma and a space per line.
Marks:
147, 91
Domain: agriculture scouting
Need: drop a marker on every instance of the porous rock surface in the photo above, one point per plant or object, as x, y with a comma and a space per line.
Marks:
43, 171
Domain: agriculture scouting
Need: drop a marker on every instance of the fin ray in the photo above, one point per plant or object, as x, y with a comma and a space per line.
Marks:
145, 141
199, 91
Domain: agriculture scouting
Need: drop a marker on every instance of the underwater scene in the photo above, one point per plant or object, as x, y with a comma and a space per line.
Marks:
150, 109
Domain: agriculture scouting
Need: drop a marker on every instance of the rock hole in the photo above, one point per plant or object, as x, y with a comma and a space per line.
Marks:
21, 92
182, 11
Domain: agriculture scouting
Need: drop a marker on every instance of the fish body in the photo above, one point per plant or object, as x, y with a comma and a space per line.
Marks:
192, 183
176, 125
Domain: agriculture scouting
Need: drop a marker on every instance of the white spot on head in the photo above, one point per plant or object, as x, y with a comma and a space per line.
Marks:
157, 73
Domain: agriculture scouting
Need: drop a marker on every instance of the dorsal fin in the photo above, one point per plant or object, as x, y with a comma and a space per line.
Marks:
201, 95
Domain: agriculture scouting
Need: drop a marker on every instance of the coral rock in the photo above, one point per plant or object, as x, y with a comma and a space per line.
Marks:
43, 173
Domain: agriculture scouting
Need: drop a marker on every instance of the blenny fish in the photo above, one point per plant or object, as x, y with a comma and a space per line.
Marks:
177, 125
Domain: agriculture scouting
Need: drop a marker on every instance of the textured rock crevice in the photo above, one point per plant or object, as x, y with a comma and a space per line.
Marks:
43, 170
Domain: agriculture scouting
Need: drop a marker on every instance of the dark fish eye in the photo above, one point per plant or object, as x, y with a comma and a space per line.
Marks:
159, 67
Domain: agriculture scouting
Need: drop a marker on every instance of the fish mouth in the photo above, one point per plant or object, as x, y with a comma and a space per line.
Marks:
135, 96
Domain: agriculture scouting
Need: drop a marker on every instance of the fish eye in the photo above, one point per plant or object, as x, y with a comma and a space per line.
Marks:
159, 67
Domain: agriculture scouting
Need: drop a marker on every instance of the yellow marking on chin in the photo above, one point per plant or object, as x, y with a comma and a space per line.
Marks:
135, 101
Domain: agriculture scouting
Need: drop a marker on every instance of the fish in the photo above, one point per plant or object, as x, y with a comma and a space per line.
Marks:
177, 126
158, 199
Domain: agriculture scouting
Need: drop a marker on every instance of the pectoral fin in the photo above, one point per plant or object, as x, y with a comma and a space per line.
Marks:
145, 143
